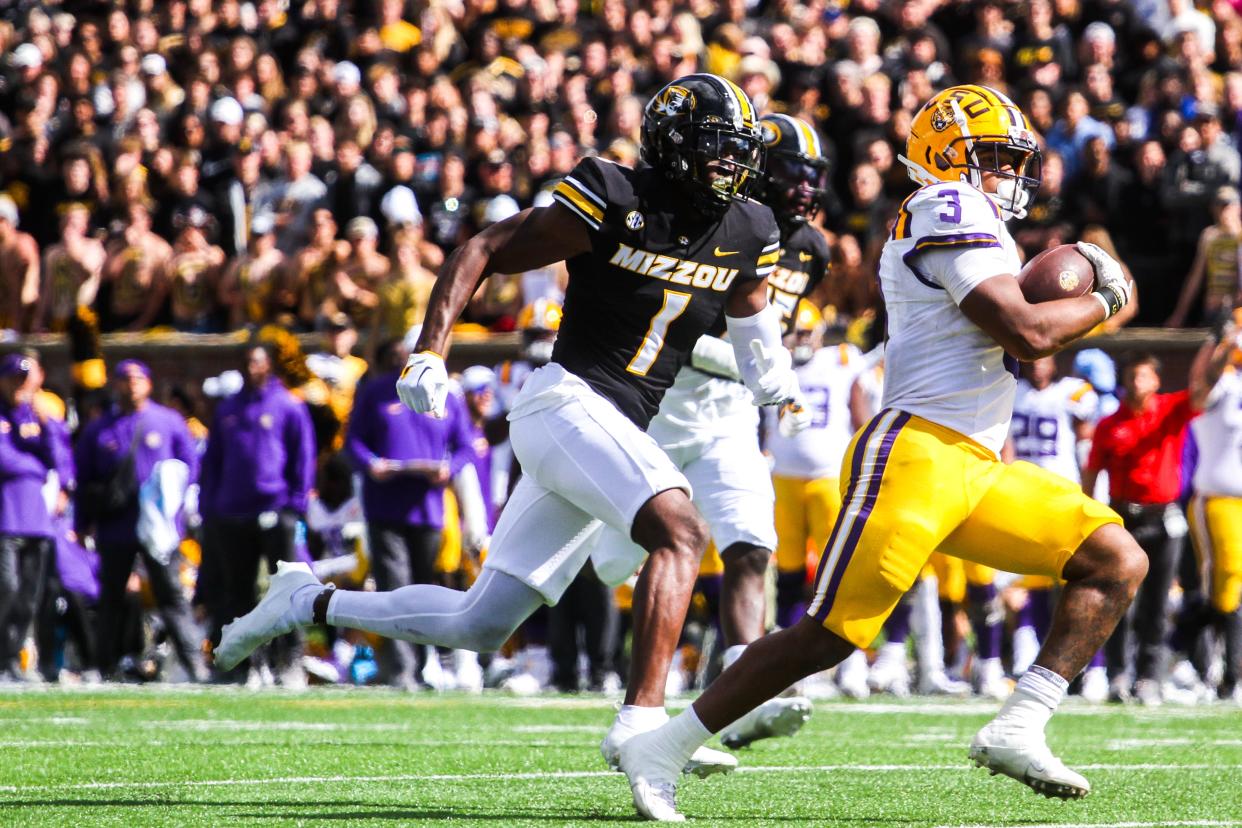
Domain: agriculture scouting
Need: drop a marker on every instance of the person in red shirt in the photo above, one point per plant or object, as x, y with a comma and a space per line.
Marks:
1140, 447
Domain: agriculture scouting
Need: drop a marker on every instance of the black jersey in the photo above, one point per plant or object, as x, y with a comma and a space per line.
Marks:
655, 280
802, 265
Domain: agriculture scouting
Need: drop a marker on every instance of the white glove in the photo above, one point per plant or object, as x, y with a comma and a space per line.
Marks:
794, 417
1112, 287
423, 384
777, 384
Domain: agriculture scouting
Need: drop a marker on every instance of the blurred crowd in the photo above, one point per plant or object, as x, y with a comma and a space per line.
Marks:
211, 164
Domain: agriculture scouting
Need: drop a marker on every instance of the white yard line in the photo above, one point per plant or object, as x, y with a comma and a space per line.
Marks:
544, 775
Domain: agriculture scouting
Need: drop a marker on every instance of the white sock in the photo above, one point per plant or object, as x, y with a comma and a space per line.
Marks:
1035, 697
892, 653
686, 733
641, 719
303, 602
731, 655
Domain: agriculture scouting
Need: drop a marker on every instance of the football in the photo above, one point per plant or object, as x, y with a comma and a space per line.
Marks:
1059, 273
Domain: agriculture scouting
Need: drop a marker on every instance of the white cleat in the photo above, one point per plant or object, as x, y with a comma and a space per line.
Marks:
852, 676
890, 674
652, 769
1095, 685
938, 683
1022, 754
992, 683
703, 763
272, 616
776, 717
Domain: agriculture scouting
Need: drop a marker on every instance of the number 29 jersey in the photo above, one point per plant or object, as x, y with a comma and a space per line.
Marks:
655, 279
948, 238
1042, 430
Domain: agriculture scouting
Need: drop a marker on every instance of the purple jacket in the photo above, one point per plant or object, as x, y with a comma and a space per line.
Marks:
481, 457
381, 427
260, 455
29, 449
155, 433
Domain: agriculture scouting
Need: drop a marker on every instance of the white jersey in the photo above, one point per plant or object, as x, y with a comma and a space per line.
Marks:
948, 238
698, 408
1043, 423
816, 452
1218, 433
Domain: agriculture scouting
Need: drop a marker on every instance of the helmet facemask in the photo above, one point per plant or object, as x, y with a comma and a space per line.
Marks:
722, 165
1018, 166
794, 186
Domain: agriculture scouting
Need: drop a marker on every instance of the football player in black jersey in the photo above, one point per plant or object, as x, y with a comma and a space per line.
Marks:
709, 427
655, 255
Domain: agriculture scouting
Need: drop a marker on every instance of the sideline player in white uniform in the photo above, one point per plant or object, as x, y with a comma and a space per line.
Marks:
806, 471
926, 474
1216, 510
655, 256
709, 428
1053, 418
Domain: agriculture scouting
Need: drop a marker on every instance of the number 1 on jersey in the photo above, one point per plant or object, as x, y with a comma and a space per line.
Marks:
675, 304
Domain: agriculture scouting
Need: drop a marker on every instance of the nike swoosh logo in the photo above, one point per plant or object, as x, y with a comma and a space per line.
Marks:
720, 252
805, 257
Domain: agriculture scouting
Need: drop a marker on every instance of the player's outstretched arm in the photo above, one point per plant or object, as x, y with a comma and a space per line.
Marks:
1024, 330
534, 238
1209, 364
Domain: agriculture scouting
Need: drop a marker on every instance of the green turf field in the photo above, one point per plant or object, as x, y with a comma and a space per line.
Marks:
176, 757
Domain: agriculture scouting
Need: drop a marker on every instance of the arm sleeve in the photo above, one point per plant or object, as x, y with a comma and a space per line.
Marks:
764, 326
584, 192
16, 463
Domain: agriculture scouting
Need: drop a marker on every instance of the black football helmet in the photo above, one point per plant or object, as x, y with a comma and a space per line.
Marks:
795, 176
701, 132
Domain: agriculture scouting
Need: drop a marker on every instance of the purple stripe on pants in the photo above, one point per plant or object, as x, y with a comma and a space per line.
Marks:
860, 522
855, 471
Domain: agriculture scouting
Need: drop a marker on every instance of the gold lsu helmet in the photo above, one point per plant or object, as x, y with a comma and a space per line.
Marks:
540, 315
808, 318
966, 131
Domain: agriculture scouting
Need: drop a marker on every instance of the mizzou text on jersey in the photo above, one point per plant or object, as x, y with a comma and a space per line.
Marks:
655, 280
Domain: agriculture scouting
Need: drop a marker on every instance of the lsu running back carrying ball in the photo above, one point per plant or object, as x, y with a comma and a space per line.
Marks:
709, 427
925, 473
655, 256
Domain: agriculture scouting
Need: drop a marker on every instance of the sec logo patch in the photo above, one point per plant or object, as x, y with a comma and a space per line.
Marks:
634, 220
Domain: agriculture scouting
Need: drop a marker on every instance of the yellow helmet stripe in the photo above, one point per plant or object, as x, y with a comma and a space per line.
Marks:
809, 140
743, 102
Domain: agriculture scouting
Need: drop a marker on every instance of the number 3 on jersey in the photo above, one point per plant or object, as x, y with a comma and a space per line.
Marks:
675, 304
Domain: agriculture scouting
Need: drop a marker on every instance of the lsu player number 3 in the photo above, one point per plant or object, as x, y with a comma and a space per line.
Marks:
655, 255
925, 473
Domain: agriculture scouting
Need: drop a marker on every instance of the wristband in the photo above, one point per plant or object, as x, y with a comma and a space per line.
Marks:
1111, 298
